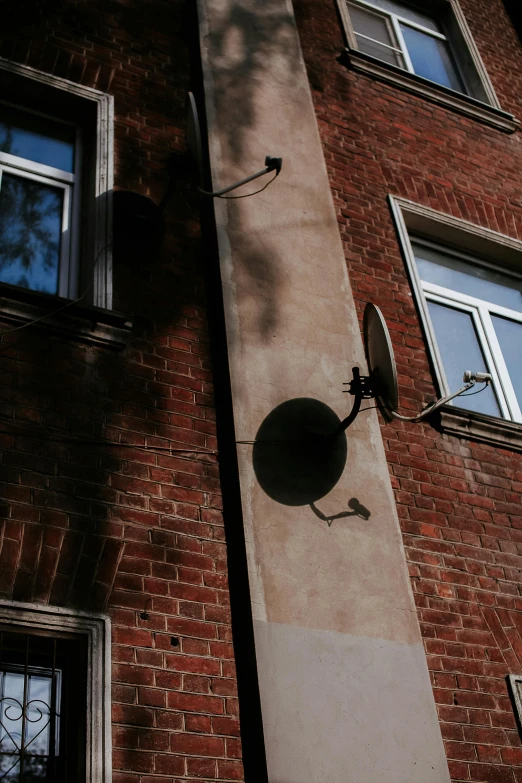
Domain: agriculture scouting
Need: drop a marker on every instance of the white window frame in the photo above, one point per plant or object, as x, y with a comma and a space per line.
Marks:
481, 312
395, 21
515, 688
90, 267
415, 222
95, 628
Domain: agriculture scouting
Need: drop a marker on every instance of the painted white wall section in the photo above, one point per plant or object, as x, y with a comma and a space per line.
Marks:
345, 689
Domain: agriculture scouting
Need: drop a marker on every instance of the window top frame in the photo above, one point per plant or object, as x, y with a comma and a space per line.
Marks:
470, 301
418, 239
404, 20
458, 296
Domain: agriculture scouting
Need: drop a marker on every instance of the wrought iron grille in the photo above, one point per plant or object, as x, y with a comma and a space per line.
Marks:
32, 735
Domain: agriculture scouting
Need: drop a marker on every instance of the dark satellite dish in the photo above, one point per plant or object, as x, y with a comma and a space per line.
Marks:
381, 360
193, 133
381, 384
193, 136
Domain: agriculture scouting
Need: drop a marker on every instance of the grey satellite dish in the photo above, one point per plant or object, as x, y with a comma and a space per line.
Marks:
381, 360
193, 136
381, 383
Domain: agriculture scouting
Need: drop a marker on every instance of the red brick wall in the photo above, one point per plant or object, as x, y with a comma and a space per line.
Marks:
458, 501
132, 527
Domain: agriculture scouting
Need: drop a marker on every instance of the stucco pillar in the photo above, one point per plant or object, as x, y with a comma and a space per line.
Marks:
345, 690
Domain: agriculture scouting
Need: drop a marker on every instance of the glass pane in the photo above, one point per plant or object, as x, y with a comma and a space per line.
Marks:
37, 138
509, 334
460, 351
30, 233
467, 278
366, 23
11, 713
38, 715
406, 13
430, 58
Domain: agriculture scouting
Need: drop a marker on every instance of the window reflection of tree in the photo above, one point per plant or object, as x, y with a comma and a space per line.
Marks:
30, 223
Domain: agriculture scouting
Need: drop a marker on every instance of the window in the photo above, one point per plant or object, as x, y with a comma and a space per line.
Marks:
410, 39
467, 282
424, 48
39, 185
55, 186
42, 707
476, 317
54, 695
514, 682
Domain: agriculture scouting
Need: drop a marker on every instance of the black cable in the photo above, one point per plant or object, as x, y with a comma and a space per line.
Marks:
47, 315
470, 394
246, 195
50, 438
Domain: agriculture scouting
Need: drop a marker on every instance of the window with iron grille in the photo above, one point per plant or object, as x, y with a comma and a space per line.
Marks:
42, 707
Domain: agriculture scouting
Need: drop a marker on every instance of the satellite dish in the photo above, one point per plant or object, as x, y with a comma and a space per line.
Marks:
193, 137
193, 133
381, 360
381, 384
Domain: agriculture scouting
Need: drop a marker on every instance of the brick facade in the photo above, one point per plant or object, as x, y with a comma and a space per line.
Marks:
130, 528
459, 502
97, 512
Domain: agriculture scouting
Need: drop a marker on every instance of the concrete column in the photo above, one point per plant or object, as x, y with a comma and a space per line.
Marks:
344, 684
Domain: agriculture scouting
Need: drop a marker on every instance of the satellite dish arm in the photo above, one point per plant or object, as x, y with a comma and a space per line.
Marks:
360, 388
470, 378
271, 164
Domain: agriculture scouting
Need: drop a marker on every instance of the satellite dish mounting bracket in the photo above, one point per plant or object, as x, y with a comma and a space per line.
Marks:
271, 164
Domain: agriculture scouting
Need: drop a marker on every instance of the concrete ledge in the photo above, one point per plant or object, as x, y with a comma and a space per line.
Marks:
68, 319
483, 428
450, 99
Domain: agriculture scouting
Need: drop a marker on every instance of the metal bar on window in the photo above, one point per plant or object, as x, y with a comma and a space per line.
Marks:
51, 764
24, 709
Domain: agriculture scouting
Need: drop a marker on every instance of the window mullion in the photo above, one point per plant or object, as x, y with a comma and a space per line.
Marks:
400, 38
421, 28
500, 365
65, 248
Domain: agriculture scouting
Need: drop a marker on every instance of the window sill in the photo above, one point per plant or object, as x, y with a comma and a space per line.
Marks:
487, 429
463, 104
87, 324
